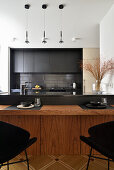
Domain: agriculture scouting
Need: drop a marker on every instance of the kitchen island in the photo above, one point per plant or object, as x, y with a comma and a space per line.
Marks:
57, 127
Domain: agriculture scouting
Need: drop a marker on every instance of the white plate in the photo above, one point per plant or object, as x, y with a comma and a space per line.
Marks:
22, 107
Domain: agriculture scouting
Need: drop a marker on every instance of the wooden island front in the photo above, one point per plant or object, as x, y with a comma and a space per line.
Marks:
57, 127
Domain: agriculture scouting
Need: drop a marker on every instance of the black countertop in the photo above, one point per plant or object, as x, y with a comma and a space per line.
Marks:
55, 99
50, 92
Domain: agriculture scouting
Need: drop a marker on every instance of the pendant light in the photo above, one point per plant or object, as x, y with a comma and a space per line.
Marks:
61, 32
44, 6
27, 7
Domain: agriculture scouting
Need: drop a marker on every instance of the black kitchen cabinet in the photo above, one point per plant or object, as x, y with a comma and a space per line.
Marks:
18, 61
47, 60
64, 62
28, 61
42, 62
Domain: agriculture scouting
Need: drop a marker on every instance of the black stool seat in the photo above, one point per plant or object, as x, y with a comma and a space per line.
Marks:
13, 140
98, 147
101, 139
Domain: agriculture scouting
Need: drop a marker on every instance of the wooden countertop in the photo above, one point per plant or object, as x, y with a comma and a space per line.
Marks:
57, 110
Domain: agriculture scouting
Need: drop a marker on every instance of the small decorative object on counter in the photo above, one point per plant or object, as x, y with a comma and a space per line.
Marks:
98, 71
96, 87
37, 102
23, 86
25, 105
74, 92
96, 105
28, 84
74, 85
37, 87
104, 100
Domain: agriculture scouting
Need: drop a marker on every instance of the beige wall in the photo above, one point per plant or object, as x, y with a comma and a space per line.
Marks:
89, 55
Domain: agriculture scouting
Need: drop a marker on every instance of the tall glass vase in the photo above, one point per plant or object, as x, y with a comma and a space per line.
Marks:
96, 88
98, 84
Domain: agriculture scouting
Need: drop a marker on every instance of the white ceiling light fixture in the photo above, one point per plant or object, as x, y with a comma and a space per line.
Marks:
76, 39
61, 6
44, 6
27, 7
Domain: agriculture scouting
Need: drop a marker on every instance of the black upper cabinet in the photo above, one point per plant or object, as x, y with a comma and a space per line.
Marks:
18, 61
28, 61
65, 62
47, 60
42, 62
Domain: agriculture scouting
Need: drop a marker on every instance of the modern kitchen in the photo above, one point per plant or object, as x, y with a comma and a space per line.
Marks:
56, 85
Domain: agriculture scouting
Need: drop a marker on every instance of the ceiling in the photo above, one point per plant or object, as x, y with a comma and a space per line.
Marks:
81, 18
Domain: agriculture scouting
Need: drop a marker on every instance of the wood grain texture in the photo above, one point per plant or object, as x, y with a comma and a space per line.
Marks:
2, 107
57, 127
29, 123
87, 122
60, 134
57, 110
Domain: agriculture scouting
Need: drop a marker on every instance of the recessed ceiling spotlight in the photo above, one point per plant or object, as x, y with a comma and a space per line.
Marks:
14, 39
76, 38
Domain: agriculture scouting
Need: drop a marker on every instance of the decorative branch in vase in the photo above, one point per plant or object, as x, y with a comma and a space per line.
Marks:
99, 70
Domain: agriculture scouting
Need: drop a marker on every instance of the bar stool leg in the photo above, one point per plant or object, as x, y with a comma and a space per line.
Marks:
7, 165
89, 159
27, 160
108, 164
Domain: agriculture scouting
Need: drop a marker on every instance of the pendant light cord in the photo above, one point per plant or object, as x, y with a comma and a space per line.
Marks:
27, 19
61, 20
44, 20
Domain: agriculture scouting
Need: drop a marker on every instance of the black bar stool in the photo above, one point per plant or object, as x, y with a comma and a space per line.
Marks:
102, 140
13, 140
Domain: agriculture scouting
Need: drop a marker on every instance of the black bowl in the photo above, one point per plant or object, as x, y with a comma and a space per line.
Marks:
94, 103
26, 104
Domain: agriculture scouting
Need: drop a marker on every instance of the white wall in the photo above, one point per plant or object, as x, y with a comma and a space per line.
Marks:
107, 46
4, 67
79, 19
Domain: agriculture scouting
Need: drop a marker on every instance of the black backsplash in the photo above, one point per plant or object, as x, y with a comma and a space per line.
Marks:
50, 80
